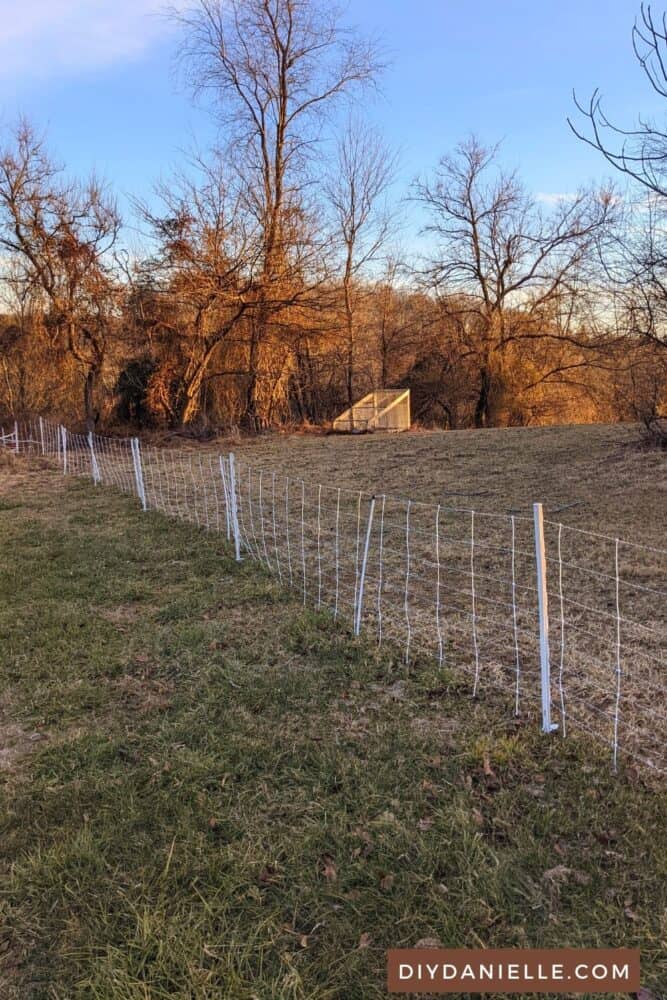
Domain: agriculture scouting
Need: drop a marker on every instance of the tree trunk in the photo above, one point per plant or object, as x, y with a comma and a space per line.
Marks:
250, 416
483, 405
89, 398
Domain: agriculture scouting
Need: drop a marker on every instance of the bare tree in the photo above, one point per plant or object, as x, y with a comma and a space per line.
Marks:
637, 261
273, 70
400, 319
504, 268
360, 175
639, 152
59, 236
205, 265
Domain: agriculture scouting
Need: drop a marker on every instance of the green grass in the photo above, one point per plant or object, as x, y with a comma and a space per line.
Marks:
233, 799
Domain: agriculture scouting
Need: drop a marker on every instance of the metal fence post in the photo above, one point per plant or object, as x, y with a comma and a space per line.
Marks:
234, 507
138, 472
16, 438
41, 435
543, 609
95, 469
364, 563
63, 441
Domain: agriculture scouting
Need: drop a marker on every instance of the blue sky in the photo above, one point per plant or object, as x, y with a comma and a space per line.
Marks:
98, 76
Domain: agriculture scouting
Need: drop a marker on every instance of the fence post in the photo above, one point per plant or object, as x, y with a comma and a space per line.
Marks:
63, 441
543, 609
364, 563
41, 435
93, 460
234, 507
138, 471
225, 489
16, 438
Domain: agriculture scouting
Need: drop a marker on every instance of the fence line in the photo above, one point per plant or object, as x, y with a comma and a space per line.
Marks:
474, 590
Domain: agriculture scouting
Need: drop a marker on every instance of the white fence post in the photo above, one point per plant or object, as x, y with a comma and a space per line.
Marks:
138, 472
234, 507
364, 564
63, 441
41, 435
543, 608
93, 460
16, 438
225, 487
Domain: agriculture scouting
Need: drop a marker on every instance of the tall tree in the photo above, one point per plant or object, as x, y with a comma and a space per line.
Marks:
58, 236
506, 270
273, 70
361, 172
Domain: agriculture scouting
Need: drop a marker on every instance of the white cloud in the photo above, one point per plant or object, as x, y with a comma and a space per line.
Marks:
42, 38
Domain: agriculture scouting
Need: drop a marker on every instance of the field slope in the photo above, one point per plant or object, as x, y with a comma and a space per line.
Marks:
210, 793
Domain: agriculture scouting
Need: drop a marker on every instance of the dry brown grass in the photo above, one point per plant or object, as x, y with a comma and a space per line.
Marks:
614, 485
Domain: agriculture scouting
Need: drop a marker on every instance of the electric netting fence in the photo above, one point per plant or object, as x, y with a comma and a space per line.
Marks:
568, 623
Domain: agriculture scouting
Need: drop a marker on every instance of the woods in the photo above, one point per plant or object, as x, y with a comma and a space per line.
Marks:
273, 284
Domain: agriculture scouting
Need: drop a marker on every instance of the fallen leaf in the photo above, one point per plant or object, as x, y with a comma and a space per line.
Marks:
607, 837
425, 823
630, 913
329, 870
267, 875
364, 941
558, 874
387, 881
428, 942
478, 818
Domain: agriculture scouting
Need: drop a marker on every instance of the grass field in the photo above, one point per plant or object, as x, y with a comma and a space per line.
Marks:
209, 792
611, 484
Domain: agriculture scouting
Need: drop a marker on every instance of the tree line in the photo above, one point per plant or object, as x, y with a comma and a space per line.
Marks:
271, 288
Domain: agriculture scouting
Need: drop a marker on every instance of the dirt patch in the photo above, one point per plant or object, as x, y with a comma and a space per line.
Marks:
124, 615
16, 744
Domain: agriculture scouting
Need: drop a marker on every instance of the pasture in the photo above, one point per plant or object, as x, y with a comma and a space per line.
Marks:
210, 791
612, 485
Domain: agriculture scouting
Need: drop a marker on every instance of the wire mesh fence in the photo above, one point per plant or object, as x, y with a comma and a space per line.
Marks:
552, 619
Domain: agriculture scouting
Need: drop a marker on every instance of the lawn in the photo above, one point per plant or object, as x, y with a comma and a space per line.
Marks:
209, 792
